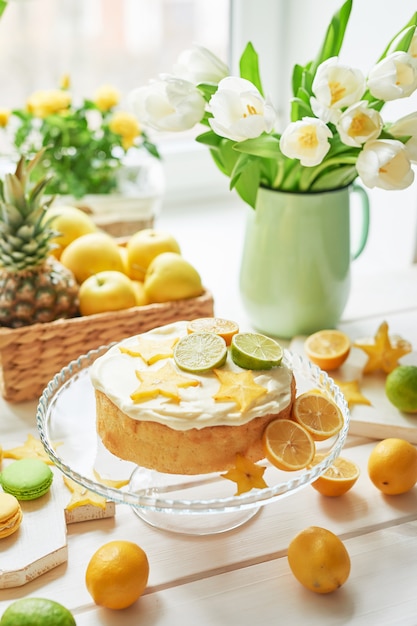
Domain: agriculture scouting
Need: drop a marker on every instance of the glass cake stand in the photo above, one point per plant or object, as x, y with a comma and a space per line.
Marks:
199, 505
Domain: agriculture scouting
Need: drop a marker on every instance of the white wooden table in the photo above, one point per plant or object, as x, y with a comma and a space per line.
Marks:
242, 577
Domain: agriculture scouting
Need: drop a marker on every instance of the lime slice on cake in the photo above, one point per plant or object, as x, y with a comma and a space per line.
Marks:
253, 351
200, 352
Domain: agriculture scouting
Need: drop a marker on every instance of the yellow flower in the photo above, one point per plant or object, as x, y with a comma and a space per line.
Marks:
47, 102
106, 97
126, 125
4, 117
65, 81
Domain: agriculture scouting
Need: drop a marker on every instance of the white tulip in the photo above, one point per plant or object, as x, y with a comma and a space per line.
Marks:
412, 50
239, 110
169, 104
335, 87
200, 65
306, 140
359, 124
394, 77
385, 164
407, 127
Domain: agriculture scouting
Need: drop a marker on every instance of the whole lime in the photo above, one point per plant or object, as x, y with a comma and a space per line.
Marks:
37, 612
401, 388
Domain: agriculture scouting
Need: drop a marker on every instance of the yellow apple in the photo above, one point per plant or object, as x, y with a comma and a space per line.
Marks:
144, 246
139, 289
123, 255
106, 291
171, 277
90, 254
70, 222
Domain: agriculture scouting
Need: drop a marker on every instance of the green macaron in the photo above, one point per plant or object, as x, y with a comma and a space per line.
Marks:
26, 479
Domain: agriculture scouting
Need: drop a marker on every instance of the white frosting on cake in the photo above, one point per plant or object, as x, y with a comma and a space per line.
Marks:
114, 375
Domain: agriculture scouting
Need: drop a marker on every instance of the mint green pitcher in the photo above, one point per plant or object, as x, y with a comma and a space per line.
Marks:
295, 268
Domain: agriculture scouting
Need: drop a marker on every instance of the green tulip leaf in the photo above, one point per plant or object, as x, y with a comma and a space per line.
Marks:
264, 146
249, 67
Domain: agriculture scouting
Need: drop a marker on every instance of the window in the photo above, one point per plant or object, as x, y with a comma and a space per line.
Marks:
126, 42
122, 42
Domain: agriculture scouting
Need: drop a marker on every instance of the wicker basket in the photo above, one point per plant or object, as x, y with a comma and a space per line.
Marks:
32, 355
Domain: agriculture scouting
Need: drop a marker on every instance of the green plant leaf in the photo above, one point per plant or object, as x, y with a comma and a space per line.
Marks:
249, 67
300, 109
334, 179
330, 166
207, 90
247, 183
297, 78
264, 146
3, 5
209, 139
334, 37
403, 38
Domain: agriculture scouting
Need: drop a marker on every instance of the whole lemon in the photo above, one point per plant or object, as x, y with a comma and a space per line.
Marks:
401, 388
392, 466
34, 611
117, 574
319, 560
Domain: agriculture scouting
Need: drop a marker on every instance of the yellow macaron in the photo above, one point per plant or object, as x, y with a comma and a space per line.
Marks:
10, 514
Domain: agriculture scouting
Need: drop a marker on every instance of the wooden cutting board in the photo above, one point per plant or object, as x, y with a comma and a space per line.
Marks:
381, 419
40, 544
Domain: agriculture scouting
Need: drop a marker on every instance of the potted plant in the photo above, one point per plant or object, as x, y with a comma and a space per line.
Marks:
99, 156
296, 183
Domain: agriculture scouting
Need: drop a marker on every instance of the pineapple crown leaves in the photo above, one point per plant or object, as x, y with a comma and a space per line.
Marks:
24, 232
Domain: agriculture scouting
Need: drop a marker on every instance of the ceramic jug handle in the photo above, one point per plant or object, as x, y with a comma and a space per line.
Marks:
364, 200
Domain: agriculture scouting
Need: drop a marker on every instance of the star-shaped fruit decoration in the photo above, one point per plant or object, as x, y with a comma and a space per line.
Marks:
152, 350
239, 387
383, 352
165, 381
80, 496
351, 391
116, 484
246, 475
31, 449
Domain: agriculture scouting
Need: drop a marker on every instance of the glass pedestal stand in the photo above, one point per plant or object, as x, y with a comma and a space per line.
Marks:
197, 505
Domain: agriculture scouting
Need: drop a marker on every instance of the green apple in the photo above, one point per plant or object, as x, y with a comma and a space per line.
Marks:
171, 277
144, 246
106, 291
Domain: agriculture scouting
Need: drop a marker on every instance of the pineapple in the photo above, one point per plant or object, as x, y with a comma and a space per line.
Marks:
34, 285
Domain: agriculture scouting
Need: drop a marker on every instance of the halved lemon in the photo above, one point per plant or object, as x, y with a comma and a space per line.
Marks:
218, 325
328, 349
339, 477
287, 445
319, 415
253, 351
200, 352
